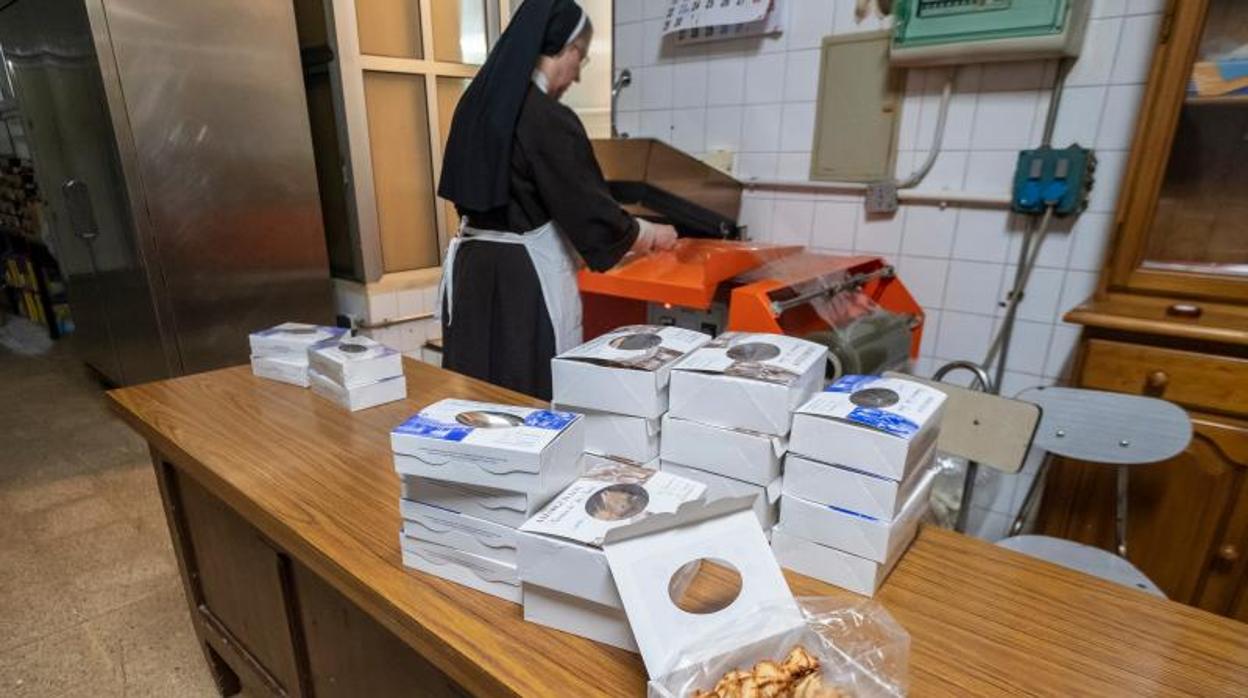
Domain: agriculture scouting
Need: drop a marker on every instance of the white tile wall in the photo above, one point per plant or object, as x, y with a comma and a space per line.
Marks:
758, 100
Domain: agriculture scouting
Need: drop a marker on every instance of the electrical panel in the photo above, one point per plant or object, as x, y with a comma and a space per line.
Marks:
948, 32
1052, 177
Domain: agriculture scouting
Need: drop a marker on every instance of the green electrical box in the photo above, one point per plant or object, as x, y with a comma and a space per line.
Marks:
947, 32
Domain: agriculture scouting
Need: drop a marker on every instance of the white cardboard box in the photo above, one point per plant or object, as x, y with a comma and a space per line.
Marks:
361, 397
355, 361
882, 426
852, 490
836, 567
577, 616
766, 499
652, 556
500, 446
291, 339
735, 453
483, 574
854, 533
498, 506
559, 548
748, 381
459, 531
625, 371
283, 369
619, 435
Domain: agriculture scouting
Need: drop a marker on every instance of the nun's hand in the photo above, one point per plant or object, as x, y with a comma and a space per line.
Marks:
664, 238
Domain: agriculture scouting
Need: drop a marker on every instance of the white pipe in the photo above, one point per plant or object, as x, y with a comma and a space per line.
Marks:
939, 197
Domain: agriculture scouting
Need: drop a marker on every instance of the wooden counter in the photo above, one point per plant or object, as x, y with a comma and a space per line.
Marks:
284, 514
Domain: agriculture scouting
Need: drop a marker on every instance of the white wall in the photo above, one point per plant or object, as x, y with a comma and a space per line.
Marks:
591, 97
757, 97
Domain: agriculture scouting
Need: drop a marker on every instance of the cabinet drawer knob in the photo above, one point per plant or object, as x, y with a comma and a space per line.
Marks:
1157, 381
1185, 310
1228, 553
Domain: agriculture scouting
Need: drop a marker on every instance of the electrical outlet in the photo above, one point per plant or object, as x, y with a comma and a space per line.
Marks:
1048, 177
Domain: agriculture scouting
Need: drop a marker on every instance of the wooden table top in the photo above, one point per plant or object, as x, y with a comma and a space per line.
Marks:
320, 483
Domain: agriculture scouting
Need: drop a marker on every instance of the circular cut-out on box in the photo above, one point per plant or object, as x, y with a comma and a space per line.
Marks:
641, 341
875, 397
754, 351
703, 586
300, 330
352, 348
617, 502
485, 419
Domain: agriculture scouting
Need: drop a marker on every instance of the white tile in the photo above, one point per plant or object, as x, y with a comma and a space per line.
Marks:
1012, 76
987, 525
1135, 7
756, 216
929, 231
1090, 241
1096, 60
1110, 167
835, 224
1003, 120
797, 127
1061, 351
801, 76
411, 302
628, 45
809, 21
757, 165
1122, 107
1015, 382
1135, 49
764, 79
1054, 249
725, 81
792, 222
1041, 296
879, 234
994, 491
689, 81
912, 109
948, 172
629, 11
654, 9
656, 86
350, 300
630, 97
656, 124
689, 130
1108, 8
760, 128
1079, 116
793, 166
926, 365
982, 235
1029, 346
991, 171
628, 122
959, 125
723, 128
972, 287
929, 333
963, 336
654, 48
1078, 287
382, 307
774, 43
925, 278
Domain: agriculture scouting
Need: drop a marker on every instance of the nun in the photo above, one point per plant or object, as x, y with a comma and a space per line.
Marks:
533, 203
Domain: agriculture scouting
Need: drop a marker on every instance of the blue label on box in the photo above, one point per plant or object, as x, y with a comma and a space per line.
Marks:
883, 420
848, 384
545, 419
420, 425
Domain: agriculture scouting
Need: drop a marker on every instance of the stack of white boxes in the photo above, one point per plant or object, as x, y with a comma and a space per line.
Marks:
356, 372
732, 406
567, 582
472, 473
281, 353
619, 381
858, 477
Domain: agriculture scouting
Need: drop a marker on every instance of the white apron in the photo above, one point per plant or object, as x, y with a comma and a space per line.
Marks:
556, 268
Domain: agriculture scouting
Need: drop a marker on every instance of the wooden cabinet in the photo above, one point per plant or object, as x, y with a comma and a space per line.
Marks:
1170, 320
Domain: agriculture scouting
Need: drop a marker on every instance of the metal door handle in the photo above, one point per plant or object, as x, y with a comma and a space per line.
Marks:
81, 213
1228, 554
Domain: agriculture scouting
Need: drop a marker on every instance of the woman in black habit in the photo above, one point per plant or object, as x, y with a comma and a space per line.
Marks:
522, 174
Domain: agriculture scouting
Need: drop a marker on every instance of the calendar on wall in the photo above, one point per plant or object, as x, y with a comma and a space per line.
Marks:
697, 21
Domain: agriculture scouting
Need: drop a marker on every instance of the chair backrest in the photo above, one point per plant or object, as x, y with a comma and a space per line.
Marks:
1103, 427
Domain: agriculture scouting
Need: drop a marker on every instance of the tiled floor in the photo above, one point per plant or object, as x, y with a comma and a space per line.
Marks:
90, 600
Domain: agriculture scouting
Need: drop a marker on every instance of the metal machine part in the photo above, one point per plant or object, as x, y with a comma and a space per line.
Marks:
178, 134
873, 344
712, 321
624, 79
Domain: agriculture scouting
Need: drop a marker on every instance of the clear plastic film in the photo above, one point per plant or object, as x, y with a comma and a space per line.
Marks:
844, 648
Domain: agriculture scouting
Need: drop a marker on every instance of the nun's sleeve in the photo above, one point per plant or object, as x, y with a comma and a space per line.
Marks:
576, 195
